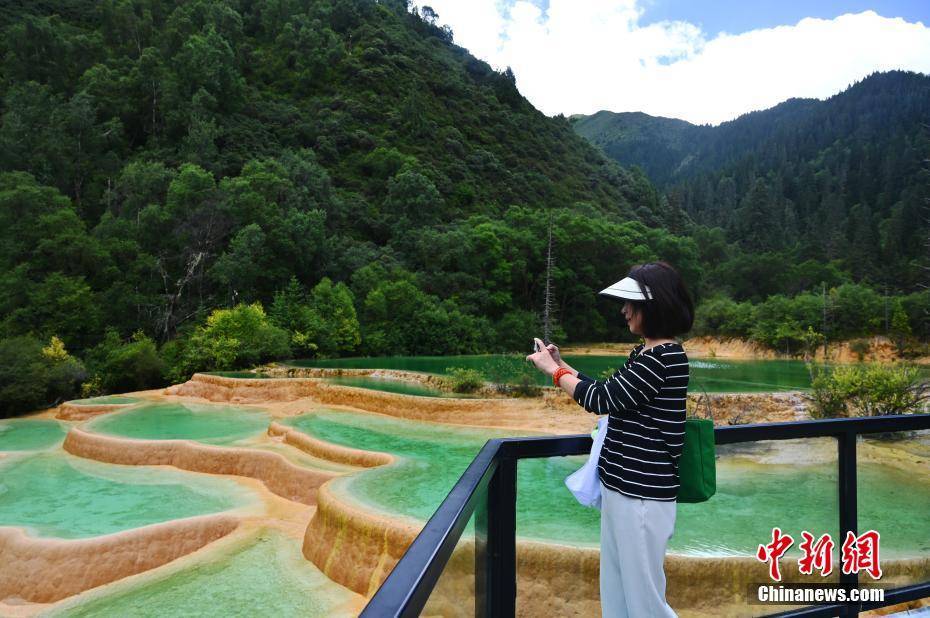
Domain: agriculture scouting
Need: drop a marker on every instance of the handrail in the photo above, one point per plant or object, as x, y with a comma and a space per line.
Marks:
490, 482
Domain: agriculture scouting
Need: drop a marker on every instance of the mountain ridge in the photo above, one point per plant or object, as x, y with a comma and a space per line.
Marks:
605, 128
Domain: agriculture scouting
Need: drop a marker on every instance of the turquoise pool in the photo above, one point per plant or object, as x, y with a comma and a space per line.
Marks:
212, 424
106, 400
751, 498
712, 375
26, 434
390, 385
264, 576
57, 495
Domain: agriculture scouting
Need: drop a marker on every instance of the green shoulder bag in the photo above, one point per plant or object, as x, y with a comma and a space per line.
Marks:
697, 469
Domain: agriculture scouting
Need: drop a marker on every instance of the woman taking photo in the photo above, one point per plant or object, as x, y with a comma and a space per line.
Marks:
638, 464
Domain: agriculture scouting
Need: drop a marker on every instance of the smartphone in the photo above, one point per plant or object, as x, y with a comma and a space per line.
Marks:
535, 346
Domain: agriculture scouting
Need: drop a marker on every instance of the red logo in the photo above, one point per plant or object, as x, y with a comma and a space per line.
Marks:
861, 553
858, 553
773, 551
817, 555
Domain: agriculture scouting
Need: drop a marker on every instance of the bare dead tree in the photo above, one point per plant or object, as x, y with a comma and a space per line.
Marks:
547, 302
168, 319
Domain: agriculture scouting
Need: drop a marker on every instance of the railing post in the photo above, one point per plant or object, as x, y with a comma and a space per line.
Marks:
846, 456
496, 544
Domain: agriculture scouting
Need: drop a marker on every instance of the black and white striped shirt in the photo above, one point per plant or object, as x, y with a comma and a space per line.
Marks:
645, 430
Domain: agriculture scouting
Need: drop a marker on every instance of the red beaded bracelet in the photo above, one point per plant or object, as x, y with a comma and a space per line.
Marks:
561, 371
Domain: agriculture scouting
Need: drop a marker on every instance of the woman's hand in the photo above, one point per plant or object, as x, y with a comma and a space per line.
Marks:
554, 352
543, 359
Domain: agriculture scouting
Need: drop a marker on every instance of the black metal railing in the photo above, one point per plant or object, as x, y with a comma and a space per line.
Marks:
488, 489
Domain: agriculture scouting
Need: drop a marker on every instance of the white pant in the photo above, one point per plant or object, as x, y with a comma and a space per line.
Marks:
634, 535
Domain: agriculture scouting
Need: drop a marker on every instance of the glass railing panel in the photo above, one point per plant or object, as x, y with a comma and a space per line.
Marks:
454, 594
557, 542
893, 478
711, 557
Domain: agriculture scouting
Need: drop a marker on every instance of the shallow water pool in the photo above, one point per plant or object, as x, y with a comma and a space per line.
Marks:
405, 387
432, 458
239, 375
58, 495
211, 424
105, 400
264, 576
25, 434
711, 375
751, 497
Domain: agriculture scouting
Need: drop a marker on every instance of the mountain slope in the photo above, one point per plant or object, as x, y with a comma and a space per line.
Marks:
159, 160
344, 78
840, 179
660, 146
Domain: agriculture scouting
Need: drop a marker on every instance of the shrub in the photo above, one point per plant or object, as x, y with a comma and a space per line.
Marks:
860, 347
33, 376
236, 338
501, 370
122, 366
869, 390
334, 304
812, 340
291, 312
92, 387
513, 375
322, 323
401, 319
465, 380
720, 315
856, 310
775, 326
900, 326
173, 360
827, 397
917, 309
525, 386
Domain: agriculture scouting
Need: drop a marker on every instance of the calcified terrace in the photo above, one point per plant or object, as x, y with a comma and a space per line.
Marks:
343, 474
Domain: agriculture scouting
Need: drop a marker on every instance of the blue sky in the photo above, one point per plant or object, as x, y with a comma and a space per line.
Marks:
705, 62
737, 17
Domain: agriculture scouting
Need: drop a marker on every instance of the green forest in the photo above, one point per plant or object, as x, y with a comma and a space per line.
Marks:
213, 184
843, 183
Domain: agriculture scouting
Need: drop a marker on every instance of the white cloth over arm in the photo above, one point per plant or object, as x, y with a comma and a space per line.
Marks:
585, 484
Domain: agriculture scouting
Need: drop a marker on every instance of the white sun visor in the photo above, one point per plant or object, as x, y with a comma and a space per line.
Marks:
627, 289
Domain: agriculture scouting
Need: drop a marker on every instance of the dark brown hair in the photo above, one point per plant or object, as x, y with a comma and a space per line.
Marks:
670, 311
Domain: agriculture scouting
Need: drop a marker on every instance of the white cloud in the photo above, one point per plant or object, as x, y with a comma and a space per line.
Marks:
580, 56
